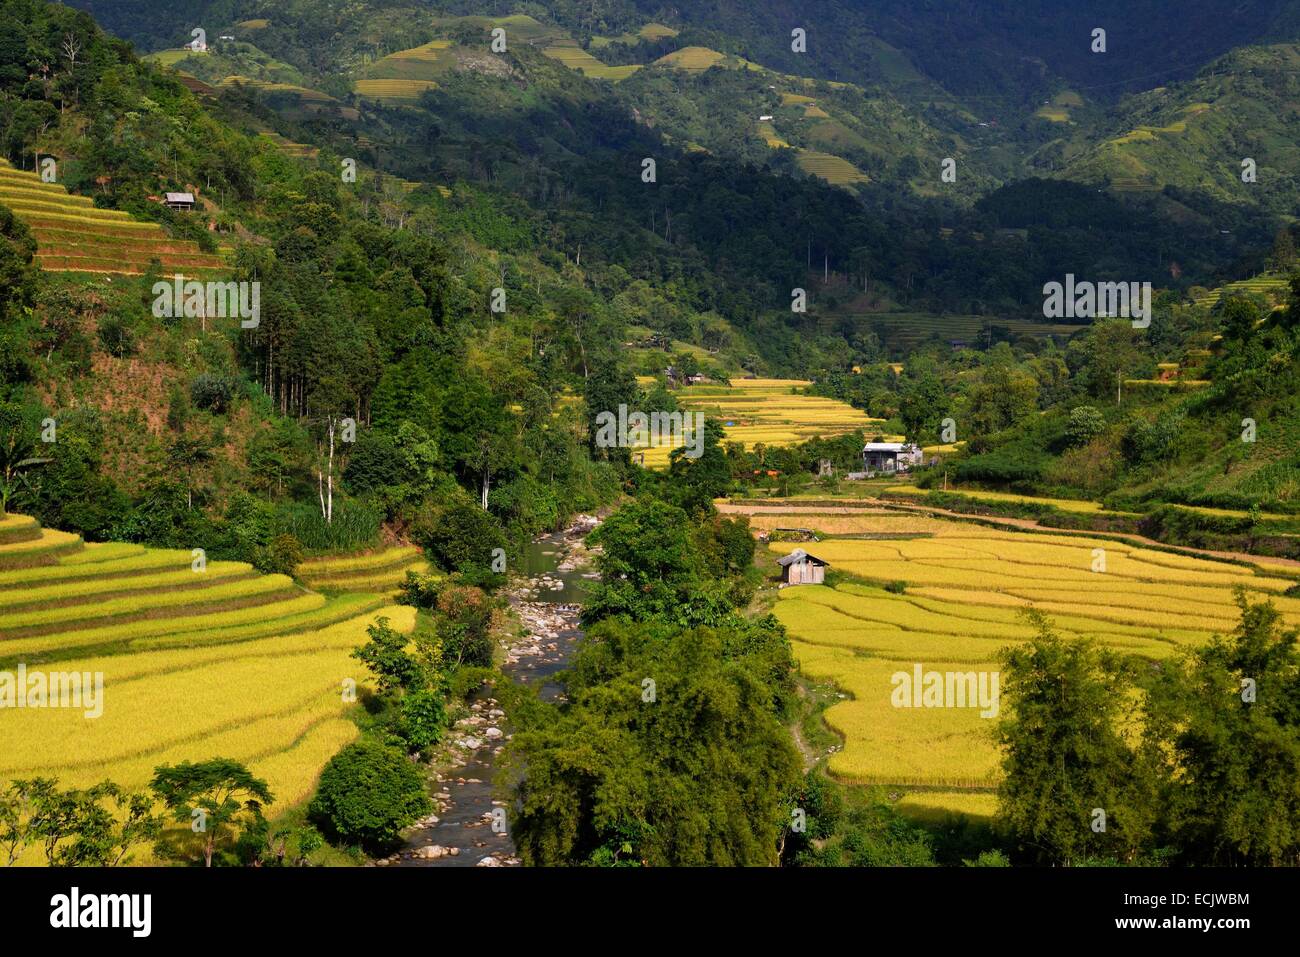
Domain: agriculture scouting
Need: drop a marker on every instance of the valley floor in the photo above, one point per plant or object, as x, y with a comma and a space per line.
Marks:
913, 588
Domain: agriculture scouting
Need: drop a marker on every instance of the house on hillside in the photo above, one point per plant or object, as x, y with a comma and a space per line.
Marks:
890, 456
800, 568
179, 200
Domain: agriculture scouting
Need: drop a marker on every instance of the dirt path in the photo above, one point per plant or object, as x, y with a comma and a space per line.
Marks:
802, 510
810, 757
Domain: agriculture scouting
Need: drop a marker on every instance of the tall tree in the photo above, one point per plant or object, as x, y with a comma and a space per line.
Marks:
1223, 731
1067, 793
211, 798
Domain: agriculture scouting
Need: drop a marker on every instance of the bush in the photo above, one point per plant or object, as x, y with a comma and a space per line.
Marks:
992, 858
281, 557
527, 505
1086, 423
368, 792
212, 393
423, 718
460, 536
117, 337
1146, 442
1001, 467
420, 591
464, 622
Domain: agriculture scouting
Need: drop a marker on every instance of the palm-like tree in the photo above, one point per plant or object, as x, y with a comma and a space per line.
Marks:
17, 458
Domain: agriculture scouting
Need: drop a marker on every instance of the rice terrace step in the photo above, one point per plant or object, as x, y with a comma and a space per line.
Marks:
172, 641
73, 235
381, 571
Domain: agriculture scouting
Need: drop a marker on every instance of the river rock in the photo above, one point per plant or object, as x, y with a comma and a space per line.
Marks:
492, 733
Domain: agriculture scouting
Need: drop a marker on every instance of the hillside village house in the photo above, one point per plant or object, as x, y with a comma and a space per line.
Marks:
889, 457
180, 200
800, 568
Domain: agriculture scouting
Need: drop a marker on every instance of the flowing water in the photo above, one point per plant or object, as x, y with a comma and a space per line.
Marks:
466, 804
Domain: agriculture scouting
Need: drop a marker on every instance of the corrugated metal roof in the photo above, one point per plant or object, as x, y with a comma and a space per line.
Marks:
798, 555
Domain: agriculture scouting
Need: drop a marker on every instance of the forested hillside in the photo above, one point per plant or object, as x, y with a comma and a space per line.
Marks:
514, 171
191, 428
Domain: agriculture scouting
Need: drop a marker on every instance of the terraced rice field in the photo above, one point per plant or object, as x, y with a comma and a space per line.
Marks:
770, 136
404, 76
302, 92
307, 99
1271, 287
223, 662
834, 169
656, 31
1079, 506
1168, 384
964, 590
72, 235
382, 571
60, 597
699, 59
519, 27
651, 31
274, 704
402, 91
575, 58
424, 62
846, 521
770, 411
289, 147
938, 806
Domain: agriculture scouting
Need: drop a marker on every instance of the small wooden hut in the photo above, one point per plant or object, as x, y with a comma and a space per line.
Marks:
800, 568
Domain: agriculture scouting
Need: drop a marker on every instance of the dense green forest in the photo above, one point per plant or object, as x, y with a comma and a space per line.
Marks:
387, 327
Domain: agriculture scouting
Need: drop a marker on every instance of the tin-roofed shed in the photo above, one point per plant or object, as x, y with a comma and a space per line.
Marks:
800, 568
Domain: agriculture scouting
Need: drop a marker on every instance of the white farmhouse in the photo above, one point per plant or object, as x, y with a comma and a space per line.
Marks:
890, 456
